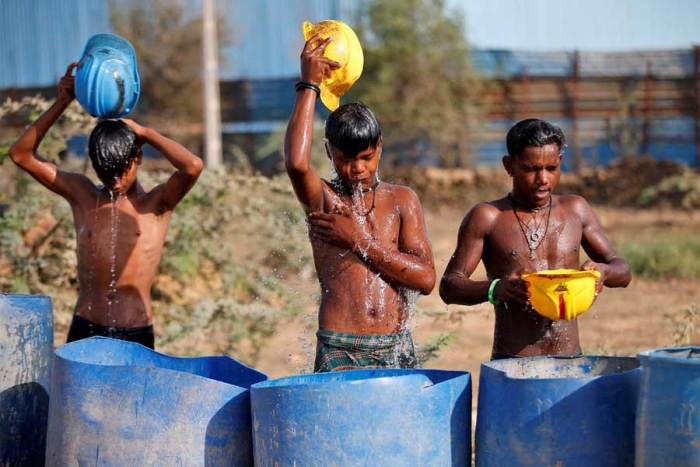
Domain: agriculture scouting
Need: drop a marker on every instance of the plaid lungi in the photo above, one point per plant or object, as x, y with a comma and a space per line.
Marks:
337, 351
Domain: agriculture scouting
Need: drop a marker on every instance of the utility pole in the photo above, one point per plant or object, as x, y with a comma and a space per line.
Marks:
212, 107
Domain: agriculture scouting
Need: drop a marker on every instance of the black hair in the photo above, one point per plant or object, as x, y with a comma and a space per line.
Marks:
533, 132
353, 128
112, 149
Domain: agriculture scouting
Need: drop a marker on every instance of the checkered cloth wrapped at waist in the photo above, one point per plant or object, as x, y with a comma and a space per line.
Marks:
337, 351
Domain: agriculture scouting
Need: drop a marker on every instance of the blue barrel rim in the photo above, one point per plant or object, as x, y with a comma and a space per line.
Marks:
372, 375
493, 365
25, 295
67, 347
663, 354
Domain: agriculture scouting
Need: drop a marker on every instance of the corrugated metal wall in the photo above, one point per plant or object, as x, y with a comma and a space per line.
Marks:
268, 33
39, 38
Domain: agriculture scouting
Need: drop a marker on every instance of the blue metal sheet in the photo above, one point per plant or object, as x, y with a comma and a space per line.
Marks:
38, 39
268, 38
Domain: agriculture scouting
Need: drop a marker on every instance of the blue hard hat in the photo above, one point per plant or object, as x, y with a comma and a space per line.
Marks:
106, 79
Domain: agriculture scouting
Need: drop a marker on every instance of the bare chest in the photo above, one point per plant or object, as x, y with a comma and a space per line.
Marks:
536, 242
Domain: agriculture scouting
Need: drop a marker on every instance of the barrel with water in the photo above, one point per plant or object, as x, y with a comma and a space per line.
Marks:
557, 411
26, 349
118, 403
391, 417
668, 416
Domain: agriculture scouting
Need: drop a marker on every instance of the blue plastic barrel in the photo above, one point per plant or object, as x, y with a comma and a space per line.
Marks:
383, 417
26, 349
118, 403
557, 411
668, 416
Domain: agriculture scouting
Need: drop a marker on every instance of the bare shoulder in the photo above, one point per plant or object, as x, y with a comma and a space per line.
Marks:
402, 195
75, 187
485, 212
574, 205
571, 201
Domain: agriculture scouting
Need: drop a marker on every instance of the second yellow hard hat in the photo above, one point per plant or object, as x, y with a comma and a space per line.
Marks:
561, 293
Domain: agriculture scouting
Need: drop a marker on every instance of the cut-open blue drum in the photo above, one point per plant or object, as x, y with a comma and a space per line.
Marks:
118, 403
26, 349
388, 417
550, 411
668, 417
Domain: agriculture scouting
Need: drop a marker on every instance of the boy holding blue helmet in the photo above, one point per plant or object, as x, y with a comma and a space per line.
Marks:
120, 225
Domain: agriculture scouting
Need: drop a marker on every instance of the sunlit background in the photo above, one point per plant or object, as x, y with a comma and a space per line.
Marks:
446, 79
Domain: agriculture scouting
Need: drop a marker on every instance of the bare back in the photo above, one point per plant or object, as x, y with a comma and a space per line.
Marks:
120, 242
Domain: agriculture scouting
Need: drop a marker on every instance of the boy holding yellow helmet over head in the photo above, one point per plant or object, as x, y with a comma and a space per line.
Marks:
370, 245
531, 229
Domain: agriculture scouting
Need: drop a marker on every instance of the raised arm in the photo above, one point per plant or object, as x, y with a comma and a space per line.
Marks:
298, 141
188, 166
615, 272
24, 151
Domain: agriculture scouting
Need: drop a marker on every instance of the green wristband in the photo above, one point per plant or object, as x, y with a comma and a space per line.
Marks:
491, 288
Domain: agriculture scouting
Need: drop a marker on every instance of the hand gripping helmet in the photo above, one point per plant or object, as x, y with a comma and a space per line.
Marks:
107, 80
344, 48
561, 293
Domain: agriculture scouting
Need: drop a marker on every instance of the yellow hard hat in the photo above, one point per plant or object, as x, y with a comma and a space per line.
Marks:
561, 293
344, 48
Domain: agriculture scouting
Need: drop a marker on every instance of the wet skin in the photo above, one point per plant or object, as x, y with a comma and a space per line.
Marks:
492, 233
120, 226
369, 248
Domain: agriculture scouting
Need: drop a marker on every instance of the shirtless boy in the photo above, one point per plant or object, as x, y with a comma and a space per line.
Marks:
370, 245
529, 230
121, 227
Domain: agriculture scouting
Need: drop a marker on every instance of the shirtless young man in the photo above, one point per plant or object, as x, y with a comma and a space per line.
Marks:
120, 226
530, 229
370, 245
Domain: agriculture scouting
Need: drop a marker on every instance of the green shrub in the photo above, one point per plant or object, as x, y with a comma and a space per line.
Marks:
673, 257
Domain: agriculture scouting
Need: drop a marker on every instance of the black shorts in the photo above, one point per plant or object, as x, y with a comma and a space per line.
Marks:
81, 328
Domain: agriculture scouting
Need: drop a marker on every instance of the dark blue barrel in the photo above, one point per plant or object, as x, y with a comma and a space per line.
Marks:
551, 411
26, 349
117, 403
387, 417
668, 416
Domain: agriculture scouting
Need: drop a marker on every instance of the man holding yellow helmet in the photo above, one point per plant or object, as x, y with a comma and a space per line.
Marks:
370, 245
530, 243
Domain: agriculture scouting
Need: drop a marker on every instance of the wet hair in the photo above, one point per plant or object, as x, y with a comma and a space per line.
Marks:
353, 128
533, 132
112, 149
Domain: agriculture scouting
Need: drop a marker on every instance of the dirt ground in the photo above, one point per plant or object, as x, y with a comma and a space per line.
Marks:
621, 322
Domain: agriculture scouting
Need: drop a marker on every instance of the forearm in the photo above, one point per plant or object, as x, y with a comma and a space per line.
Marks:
399, 268
459, 289
29, 142
179, 156
617, 274
299, 137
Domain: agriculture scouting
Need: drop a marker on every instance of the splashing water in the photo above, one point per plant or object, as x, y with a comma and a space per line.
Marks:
114, 218
93, 252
